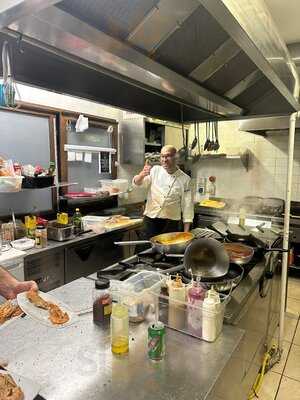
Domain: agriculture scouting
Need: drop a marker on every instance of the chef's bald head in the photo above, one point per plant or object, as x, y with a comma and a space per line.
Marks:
169, 149
168, 159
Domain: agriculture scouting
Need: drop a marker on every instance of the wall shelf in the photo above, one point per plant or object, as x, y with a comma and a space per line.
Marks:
243, 157
89, 149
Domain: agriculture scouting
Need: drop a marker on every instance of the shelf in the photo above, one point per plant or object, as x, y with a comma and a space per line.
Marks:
244, 157
295, 267
57, 186
89, 149
153, 144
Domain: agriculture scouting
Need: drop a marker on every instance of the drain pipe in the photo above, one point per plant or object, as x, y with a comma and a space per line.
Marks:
286, 229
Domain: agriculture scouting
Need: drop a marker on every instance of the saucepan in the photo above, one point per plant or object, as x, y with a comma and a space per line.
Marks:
166, 243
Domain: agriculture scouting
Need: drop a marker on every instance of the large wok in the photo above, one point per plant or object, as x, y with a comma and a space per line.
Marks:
166, 243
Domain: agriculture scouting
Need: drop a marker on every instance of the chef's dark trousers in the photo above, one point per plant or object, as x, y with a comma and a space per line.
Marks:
156, 226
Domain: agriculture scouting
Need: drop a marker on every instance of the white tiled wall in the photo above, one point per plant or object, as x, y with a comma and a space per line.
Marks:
267, 176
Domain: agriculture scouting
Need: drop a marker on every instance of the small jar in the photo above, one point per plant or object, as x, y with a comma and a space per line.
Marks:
41, 237
102, 301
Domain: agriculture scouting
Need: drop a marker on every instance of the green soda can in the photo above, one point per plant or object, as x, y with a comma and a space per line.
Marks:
156, 341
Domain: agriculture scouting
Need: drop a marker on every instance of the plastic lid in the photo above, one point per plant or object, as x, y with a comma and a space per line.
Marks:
102, 283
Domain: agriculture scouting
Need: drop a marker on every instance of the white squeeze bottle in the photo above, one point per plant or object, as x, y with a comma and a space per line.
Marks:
210, 315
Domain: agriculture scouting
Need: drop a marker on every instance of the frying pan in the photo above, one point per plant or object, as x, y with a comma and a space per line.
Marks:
160, 242
239, 253
225, 283
206, 258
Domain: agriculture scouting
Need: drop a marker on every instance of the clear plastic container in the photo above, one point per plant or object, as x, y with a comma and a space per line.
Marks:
114, 186
136, 293
10, 184
119, 325
189, 318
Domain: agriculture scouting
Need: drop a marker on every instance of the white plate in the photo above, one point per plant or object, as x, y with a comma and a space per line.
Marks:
29, 388
41, 315
6, 323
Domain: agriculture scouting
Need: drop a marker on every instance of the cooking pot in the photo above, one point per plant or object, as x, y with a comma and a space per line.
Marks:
166, 243
206, 258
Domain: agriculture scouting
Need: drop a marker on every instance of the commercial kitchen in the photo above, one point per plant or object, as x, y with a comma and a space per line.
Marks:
149, 200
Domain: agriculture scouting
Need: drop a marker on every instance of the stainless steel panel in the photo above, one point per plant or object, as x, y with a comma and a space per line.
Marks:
266, 124
116, 18
244, 84
65, 33
251, 26
132, 146
215, 61
198, 37
47, 269
161, 22
12, 10
230, 74
90, 256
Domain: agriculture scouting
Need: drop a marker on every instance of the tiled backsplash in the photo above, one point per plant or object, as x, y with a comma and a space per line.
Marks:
268, 167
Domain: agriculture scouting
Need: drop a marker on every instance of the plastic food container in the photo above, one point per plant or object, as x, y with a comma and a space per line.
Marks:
10, 184
191, 319
94, 222
137, 291
114, 185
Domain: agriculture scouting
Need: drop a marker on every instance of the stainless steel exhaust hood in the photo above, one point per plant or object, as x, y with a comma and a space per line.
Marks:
173, 59
267, 125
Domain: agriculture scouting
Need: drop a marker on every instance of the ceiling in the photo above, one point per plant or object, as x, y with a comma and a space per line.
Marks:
178, 60
286, 15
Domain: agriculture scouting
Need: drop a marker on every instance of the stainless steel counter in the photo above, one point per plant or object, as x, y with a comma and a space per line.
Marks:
76, 363
86, 236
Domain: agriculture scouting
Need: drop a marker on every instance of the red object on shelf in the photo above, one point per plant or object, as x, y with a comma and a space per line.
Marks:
41, 221
76, 195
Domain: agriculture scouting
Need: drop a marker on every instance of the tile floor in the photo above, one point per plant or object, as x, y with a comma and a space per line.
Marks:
283, 381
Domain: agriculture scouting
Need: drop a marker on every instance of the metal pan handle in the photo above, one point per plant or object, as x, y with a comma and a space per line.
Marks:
133, 242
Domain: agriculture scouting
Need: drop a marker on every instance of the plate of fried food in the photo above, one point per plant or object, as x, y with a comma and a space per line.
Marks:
16, 387
46, 309
9, 311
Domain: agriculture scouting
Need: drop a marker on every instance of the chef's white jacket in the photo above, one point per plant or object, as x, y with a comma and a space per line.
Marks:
169, 195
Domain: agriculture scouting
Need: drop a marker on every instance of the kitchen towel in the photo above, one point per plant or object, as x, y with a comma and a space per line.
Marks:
79, 156
82, 123
71, 156
88, 157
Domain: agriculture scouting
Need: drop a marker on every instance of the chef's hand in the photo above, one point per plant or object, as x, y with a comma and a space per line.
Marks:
145, 171
21, 287
138, 179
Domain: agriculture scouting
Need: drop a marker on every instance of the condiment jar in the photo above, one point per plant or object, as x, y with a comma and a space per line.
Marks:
41, 237
102, 301
119, 325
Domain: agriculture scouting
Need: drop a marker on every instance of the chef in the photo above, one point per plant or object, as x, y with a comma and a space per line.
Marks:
169, 198
10, 286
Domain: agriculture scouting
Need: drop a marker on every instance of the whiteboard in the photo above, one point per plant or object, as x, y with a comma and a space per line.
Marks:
24, 138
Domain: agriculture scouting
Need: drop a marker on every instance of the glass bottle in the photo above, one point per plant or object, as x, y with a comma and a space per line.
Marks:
102, 301
119, 329
212, 187
77, 221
